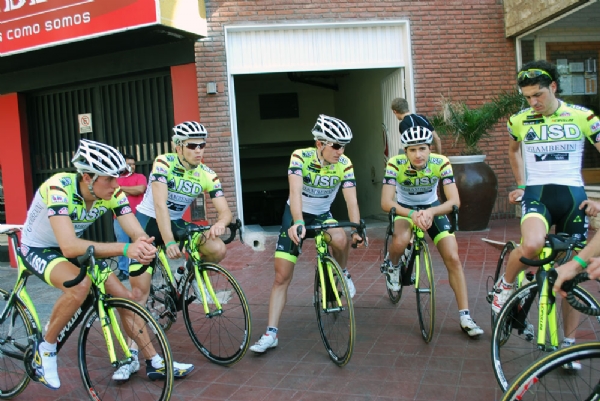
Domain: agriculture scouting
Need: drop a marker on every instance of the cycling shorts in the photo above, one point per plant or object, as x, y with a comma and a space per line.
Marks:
285, 248
41, 261
440, 227
557, 205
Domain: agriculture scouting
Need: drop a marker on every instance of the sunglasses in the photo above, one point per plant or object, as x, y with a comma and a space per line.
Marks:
532, 73
336, 146
194, 146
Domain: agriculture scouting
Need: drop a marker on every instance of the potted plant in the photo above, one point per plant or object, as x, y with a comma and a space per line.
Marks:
476, 182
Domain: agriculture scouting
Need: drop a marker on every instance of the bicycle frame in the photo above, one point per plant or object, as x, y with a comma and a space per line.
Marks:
322, 251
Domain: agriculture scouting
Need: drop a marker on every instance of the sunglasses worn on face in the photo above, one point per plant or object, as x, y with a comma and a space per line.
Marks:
532, 73
336, 146
193, 146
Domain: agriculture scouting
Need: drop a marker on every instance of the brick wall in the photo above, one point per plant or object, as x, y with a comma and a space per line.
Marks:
459, 51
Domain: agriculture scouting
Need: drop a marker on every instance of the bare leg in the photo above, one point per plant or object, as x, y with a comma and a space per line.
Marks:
533, 232
400, 240
340, 246
213, 250
449, 250
284, 272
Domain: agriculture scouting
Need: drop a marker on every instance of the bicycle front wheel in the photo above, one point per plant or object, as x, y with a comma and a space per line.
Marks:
547, 380
95, 366
15, 332
515, 334
221, 335
425, 290
336, 323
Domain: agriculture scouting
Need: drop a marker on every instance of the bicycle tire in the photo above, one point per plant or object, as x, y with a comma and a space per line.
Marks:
425, 291
13, 376
337, 328
500, 270
514, 345
222, 338
161, 299
94, 363
547, 380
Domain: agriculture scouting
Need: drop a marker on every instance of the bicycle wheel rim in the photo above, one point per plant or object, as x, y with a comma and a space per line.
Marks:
337, 328
13, 376
547, 380
94, 362
161, 301
500, 270
514, 336
425, 291
223, 338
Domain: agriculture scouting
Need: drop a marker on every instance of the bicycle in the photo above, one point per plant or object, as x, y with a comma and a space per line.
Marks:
530, 323
105, 320
546, 379
333, 305
215, 308
415, 269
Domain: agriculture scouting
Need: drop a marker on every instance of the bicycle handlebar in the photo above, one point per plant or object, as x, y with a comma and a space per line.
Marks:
568, 287
453, 228
83, 260
361, 229
190, 229
558, 243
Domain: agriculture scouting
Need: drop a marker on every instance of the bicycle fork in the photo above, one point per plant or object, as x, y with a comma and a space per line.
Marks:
108, 321
328, 289
205, 288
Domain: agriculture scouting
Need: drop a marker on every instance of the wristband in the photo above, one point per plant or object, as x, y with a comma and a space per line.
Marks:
581, 262
170, 243
410, 213
299, 222
125, 249
521, 186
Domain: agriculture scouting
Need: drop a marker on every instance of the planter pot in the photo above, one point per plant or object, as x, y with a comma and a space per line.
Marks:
478, 188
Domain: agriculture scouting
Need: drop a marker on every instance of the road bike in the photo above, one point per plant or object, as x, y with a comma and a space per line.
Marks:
215, 308
546, 379
415, 269
532, 321
102, 346
332, 301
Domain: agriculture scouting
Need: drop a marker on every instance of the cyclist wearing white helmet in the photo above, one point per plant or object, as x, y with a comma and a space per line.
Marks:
410, 185
409, 120
315, 175
64, 206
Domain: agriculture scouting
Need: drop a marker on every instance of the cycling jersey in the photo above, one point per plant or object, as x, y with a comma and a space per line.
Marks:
553, 145
59, 196
321, 183
418, 187
183, 185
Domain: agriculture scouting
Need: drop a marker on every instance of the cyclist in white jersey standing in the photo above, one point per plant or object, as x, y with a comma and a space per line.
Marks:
547, 139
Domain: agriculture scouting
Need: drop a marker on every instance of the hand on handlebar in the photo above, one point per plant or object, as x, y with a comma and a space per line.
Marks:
569, 270
216, 230
173, 251
142, 250
293, 233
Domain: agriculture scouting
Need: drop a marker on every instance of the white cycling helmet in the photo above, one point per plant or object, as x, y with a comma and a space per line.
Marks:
188, 130
331, 129
416, 136
99, 158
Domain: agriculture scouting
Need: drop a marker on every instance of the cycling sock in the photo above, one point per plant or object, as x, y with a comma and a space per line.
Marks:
272, 331
507, 285
464, 312
568, 341
157, 361
48, 347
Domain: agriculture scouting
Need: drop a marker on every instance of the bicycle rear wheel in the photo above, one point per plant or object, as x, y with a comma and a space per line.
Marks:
95, 365
547, 380
514, 336
15, 332
336, 324
161, 302
222, 336
425, 290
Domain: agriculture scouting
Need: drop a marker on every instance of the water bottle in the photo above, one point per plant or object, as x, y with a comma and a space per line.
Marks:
179, 274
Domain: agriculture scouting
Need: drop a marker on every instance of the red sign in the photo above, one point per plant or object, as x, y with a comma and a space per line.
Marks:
30, 24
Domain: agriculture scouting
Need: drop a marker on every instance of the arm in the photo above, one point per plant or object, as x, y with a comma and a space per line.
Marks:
160, 194
224, 217
572, 268
132, 226
72, 246
437, 143
134, 190
295, 183
516, 164
353, 211
388, 201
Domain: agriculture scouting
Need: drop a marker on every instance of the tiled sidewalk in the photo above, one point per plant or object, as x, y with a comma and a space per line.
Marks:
390, 361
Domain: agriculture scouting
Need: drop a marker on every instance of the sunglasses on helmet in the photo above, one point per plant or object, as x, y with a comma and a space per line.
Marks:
193, 145
532, 73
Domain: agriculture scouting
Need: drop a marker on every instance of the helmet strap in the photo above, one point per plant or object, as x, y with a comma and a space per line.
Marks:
91, 186
320, 157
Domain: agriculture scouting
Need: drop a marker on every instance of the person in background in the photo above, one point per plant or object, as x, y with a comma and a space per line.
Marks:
409, 120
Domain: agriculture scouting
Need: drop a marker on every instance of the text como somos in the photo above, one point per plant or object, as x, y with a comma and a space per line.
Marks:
50, 25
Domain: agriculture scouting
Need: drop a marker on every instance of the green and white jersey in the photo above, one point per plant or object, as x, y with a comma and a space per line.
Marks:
553, 145
320, 183
183, 186
418, 187
59, 196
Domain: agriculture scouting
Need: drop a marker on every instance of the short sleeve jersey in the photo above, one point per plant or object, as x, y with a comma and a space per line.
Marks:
553, 145
59, 196
320, 183
418, 187
183, 185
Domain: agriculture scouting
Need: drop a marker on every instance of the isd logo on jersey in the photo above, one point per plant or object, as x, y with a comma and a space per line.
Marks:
554, 132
